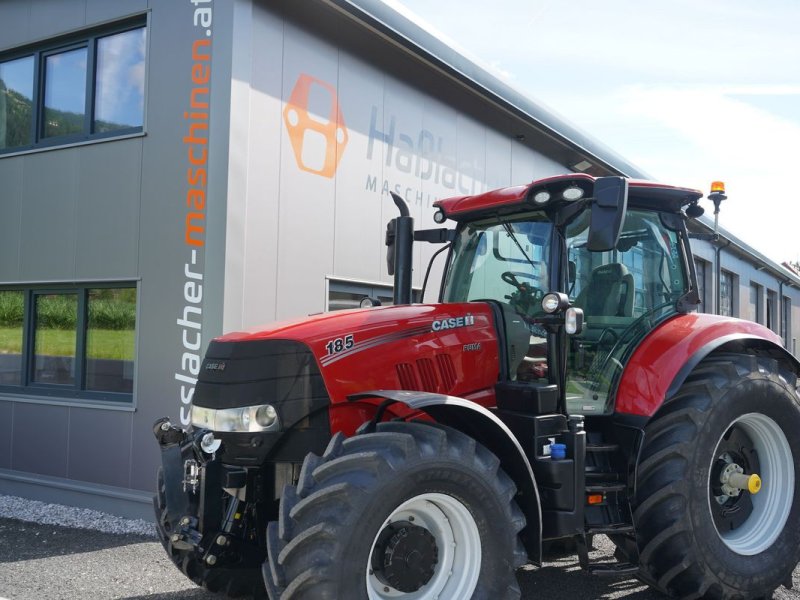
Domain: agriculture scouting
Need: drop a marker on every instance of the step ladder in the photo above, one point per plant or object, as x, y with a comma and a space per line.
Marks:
609, 485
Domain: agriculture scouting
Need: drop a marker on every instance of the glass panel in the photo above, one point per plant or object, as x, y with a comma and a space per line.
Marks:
786, 318
725, 289
755, 302
16, 102
700, 269
507, 261
12, 310
119, 91
54, 341
110, 340
65, 93
624, 294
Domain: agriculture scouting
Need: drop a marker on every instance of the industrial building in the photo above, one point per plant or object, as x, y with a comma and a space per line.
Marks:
175, 170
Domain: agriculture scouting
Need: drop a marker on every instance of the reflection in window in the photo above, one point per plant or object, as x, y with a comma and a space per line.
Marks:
786, 319
119, 83
64, 93
755, 302
12, 310
110, 339
344, 295
700, 269
54, 338
16, 102
726, 294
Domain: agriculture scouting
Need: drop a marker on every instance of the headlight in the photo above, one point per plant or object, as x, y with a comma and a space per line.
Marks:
247, 419
554, 301
266, 415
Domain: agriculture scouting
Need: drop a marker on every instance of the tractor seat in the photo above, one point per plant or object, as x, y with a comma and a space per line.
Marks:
609, 293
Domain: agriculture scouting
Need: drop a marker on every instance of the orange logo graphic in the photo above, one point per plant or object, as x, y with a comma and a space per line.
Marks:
318, 140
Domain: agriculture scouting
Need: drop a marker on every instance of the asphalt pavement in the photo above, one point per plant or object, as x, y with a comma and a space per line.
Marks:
50, 562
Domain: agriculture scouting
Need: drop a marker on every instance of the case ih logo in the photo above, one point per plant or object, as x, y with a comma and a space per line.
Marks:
318, 140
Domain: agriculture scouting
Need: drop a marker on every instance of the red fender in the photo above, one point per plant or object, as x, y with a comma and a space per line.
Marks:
666, 356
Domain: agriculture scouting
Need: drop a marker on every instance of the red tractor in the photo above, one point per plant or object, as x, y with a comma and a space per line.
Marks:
563, 386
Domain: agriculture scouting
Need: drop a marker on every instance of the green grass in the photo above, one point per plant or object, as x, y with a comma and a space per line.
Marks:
102, 343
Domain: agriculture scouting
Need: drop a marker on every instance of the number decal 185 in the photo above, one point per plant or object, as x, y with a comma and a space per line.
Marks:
340, 344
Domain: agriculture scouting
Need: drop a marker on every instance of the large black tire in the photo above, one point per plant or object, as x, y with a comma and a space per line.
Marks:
750, 400
234, 583
321, 546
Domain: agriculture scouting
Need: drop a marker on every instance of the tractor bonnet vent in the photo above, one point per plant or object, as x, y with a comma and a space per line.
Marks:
427, 375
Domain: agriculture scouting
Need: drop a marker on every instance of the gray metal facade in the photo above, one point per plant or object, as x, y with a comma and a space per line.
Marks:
277, 223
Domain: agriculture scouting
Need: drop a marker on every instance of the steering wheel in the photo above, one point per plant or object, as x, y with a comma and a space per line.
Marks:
510, 277
527, 297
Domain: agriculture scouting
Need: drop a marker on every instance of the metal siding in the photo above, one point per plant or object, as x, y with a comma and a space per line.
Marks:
99, 446
51, 17
48, 215
98, 11
15, 18
411, 112
11, 207
306, 199
359, 223
40, 439
162, 251
6, 423
107, 220
263, 169
527, 165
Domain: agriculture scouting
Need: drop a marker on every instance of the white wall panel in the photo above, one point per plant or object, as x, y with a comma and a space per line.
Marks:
306, 212
359, 226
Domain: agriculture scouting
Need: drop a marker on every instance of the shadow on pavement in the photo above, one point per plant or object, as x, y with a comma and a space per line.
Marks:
21, 541
195, 594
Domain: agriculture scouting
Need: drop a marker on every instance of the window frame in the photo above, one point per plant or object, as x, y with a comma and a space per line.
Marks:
86, 38
30, 389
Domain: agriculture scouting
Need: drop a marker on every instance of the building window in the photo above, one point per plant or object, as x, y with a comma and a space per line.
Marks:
726, 294
344, 294
786, 319
73, 89
700, 271
76, 342
755, 303
772, 310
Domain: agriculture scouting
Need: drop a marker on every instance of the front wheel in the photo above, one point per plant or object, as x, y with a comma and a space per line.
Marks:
411, 512
718, 495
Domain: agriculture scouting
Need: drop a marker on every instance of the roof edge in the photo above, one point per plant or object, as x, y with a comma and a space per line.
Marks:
420, 42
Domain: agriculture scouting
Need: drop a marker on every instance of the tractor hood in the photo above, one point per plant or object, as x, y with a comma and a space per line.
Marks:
440, 348
370, 328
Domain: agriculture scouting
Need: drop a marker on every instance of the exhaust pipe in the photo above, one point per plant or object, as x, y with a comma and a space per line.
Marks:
400, 251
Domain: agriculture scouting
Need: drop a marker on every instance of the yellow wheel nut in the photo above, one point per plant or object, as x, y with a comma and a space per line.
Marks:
754, 484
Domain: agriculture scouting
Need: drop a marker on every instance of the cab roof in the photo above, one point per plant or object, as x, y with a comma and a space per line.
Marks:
649, 194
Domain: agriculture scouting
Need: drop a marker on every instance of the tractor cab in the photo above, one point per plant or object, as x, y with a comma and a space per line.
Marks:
612, 251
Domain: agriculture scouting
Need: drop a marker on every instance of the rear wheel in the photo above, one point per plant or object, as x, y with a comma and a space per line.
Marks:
718, 497
411, 512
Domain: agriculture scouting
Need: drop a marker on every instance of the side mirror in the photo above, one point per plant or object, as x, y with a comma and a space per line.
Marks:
608, 213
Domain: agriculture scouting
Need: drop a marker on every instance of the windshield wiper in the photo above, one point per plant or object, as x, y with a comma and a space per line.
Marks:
510, 232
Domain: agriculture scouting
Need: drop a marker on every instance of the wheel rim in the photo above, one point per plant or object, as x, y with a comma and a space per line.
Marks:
458, 549
761, 438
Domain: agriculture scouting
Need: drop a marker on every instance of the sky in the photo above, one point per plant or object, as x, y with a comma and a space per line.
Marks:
690, 92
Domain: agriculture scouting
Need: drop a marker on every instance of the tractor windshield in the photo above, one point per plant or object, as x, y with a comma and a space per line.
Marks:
624, 294
507, 260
